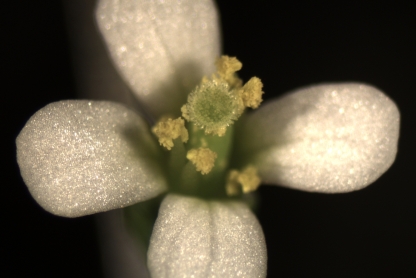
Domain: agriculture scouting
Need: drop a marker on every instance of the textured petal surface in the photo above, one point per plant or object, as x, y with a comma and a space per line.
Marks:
196, 238
325, 138
161, 48
83, 157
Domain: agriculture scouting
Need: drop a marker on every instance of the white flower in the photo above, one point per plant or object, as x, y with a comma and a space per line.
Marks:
84, 157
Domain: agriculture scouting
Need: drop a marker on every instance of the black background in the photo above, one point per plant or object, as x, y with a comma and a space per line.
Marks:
369, 233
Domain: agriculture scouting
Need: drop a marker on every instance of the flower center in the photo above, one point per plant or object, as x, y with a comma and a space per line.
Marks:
200, 148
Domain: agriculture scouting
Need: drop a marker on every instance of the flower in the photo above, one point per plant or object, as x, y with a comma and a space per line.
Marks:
82, 157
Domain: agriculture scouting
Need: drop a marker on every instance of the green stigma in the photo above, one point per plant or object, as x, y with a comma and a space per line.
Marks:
213, 106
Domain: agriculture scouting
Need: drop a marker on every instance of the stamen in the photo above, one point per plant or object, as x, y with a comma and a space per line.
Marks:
167, 130
251, 93
226, 69
202, 158
247, 179
232, 186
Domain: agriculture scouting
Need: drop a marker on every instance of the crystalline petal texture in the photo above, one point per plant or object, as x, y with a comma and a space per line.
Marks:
161, 48
83, 157
196, 238
326, 138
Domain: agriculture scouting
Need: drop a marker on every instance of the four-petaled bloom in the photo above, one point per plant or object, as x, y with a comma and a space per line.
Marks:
84, 157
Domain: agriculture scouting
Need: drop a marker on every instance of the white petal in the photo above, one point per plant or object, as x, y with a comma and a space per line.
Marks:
161, 48
325, 138
196, 238
83, 157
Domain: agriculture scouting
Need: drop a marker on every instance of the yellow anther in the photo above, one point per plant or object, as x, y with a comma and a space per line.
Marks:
251, 93
247, 179
167, 130
203, 159
227, 68
232, 186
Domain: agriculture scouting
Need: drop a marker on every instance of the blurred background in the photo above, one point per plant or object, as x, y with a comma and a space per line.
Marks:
369, 233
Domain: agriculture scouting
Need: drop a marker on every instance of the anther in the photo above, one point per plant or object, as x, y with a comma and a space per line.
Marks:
167, 130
